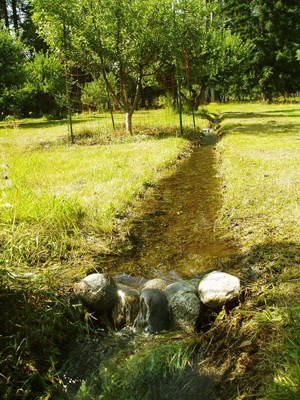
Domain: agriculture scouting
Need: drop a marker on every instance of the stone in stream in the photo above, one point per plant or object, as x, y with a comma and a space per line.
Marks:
156, 283
219, 289
153, 313
126, 308
185, 306
98, 292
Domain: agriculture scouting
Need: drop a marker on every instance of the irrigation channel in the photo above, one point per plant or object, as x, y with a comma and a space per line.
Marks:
175, 231
175, 236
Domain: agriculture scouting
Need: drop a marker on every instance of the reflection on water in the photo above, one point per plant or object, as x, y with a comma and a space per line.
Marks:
176, 225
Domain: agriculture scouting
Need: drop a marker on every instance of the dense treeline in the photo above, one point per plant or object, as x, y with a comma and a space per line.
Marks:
137, 50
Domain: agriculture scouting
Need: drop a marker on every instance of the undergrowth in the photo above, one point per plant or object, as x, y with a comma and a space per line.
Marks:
153, 367
36, 323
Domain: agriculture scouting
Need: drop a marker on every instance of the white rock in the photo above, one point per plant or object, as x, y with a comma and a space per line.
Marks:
218, 289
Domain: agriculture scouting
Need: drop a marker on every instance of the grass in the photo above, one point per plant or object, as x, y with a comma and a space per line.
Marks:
259, 165
57, 197
59, 205
62, 203
154, 368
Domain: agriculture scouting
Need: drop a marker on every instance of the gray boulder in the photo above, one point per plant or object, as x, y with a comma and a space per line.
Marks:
153, 313
219, 289
126, 308
156, 283
98, 292
185, 306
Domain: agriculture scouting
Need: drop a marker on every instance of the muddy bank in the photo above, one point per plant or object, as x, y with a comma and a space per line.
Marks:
175, 229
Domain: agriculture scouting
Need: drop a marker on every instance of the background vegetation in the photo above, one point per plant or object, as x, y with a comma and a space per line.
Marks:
138, 51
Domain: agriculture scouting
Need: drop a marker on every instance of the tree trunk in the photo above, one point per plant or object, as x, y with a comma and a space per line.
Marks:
129, 122
15, 15
4, 13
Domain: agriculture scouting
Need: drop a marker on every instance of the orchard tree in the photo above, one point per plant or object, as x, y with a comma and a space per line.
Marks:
123, 38
229, 64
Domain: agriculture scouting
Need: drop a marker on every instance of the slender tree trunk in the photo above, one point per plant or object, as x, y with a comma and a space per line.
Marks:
129, 121
15, 15
3, 12
130, 109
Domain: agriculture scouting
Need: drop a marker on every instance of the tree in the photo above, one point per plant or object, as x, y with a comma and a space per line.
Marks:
4, 13
274, 29
12, 72
44, 89
229, 64
125, 38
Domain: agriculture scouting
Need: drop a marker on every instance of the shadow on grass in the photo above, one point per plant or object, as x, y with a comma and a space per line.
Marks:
264, 114
35, 325
251, 342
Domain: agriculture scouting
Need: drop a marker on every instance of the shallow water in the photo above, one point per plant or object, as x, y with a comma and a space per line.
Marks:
174, 235
175, 231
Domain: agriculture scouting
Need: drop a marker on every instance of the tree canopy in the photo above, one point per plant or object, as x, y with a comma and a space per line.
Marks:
240, 50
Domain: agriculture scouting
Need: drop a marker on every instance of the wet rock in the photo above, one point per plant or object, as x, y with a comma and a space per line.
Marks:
156, 283
184, 305
98, 292
219, 289
135, 282
153, 313
126, 308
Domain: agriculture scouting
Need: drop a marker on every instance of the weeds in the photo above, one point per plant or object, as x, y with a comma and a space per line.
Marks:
153, 369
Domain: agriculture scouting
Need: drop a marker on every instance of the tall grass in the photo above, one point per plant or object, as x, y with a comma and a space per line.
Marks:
59, 204
153, 368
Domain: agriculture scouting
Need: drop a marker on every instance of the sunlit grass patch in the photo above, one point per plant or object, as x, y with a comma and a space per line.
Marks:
56, 197
259, 166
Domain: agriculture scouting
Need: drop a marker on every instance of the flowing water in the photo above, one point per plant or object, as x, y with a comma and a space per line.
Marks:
176, 228
174, 234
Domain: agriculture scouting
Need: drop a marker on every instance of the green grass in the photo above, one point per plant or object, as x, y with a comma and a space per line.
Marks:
62, 203
59, 205
57, 197
259, 165
147, 368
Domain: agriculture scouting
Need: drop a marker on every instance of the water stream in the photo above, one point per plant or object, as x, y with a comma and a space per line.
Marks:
175, 230
174, 234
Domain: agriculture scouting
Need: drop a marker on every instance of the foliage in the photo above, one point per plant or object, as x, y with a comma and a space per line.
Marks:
230, 64
12, 71
273, 27
44, 90
95, 95
115, 42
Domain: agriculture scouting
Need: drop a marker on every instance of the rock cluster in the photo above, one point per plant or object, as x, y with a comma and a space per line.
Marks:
158, 306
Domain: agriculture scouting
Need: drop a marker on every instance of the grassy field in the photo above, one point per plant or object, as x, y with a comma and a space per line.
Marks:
259, 165
62, 203
58, 198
